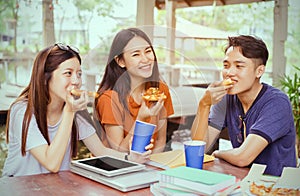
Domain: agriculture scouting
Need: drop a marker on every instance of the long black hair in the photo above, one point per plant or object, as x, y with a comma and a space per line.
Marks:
37, 92
117, 78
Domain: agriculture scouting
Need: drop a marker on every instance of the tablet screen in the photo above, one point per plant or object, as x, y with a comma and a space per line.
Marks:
107, 163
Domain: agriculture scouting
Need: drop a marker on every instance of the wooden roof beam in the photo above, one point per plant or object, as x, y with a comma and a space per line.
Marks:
188, 2
223, 2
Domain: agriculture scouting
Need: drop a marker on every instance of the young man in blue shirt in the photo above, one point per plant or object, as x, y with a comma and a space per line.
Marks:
258, 116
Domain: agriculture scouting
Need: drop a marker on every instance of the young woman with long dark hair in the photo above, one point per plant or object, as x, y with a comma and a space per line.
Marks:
46, 121
130, 70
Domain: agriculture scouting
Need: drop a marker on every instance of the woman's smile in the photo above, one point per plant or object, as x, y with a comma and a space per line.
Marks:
146, 67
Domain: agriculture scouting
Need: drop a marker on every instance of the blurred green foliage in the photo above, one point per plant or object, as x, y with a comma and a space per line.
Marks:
3, 148
291, 85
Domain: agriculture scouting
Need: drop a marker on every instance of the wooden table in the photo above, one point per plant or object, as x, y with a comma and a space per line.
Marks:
67, 183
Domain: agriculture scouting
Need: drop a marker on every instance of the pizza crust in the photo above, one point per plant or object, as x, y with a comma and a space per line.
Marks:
77, 93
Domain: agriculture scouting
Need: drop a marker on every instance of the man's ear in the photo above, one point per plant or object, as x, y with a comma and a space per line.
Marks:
260, 70
119, 61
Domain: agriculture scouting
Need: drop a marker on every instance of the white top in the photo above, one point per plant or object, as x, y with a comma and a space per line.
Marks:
18, 165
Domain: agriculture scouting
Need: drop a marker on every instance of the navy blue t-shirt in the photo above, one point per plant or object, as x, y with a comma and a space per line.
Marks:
270, 117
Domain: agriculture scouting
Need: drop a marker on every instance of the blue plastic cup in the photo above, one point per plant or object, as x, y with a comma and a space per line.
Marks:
194, 153
142, 136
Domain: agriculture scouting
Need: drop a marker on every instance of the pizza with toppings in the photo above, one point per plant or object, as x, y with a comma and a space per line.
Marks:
153, 94
261, 189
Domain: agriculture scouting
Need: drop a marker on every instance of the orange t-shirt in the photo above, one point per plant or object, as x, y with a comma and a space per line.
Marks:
111, 111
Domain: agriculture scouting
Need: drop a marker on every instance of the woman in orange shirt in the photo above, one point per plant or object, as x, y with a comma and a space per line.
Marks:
131, 69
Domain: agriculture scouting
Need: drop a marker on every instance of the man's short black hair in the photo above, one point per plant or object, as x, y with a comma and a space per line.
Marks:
250, 47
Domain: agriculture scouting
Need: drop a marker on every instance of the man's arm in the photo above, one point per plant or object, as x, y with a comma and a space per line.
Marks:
200, 125
211, 138
246, 153
200, 129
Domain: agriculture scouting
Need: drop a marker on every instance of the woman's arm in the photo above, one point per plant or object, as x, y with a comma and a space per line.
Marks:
52, 155
96, 147
116, 139
115, 133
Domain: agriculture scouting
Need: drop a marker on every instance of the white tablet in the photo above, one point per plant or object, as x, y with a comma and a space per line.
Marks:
108, 165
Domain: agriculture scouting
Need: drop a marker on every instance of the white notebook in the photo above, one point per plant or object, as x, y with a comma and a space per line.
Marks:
123, 182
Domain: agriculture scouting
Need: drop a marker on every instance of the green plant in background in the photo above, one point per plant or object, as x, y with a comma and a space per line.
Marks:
83, 151
291, 85
3, 148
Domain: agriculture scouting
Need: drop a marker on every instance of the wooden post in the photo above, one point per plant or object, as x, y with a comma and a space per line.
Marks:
170, 50
279, 38
145, 16
48, 23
